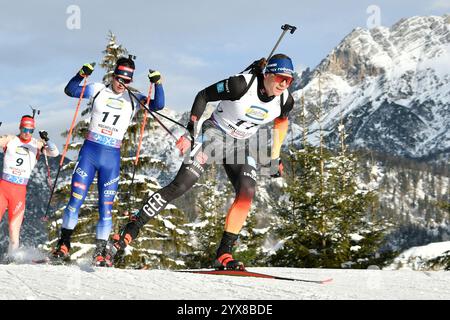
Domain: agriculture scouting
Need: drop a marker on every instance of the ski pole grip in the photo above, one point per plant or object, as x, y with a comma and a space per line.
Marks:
289, 27
285, 28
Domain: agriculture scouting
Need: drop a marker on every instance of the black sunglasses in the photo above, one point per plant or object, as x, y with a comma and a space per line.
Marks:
122, 80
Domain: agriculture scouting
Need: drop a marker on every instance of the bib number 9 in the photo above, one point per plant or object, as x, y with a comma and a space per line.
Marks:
19, 162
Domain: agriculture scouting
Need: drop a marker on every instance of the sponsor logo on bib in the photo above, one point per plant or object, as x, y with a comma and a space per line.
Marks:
108, 132
257, 113
22, 151
114, 103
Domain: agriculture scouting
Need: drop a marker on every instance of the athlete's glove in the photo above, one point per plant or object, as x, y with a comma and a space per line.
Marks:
185, 141
184, 144
44, 135
276, 168
87, 69
258, 66
154, 76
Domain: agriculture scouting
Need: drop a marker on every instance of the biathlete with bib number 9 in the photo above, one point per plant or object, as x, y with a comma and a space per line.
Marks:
21, 155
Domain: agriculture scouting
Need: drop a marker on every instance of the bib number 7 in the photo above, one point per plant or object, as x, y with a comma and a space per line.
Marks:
116, 117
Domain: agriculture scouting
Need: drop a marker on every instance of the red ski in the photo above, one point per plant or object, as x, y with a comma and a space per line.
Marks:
245, 273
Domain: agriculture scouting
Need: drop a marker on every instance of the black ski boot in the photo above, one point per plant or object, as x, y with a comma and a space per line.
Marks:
224, 258
99, 256
110, 254
61, 252
117, 246
121, 240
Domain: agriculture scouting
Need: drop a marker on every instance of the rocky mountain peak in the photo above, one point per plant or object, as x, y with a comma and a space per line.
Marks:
390, 86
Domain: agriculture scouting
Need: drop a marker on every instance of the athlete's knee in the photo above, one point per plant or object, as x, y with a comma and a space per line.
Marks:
70, 217
186, 177
174, 190
247, 189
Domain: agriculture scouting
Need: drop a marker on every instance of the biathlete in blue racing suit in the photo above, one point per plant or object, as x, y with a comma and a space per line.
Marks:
113, 109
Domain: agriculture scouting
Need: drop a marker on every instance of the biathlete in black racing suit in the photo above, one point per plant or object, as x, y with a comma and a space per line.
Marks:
238, 116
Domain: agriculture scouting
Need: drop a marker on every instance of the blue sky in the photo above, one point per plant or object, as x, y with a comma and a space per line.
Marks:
193, 43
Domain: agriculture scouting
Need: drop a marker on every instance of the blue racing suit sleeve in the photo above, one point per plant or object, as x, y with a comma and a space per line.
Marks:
73, 88
157, 103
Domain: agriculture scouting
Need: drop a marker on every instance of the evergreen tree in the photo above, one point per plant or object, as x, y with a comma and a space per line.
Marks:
112, 52
324, 220
328, 219
440, 262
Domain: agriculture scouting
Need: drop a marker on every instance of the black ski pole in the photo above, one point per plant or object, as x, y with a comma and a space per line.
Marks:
141, 136
166, 117
285, 28
49, 178
35, 111
150, 111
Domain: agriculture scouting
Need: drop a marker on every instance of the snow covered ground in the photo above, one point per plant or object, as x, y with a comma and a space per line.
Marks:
416, 258
28, 281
